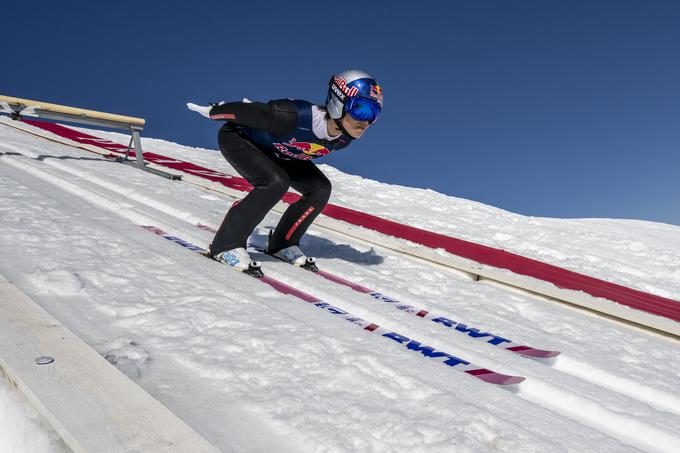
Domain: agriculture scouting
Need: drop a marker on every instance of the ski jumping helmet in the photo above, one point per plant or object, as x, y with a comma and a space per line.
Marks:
354, 92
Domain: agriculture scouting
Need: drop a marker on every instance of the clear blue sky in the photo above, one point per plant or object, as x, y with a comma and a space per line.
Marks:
541, 107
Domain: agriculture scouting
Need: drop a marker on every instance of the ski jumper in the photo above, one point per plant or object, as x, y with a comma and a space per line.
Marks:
272, 146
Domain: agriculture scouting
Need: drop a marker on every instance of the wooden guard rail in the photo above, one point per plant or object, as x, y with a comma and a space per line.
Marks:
18, 107
76, 112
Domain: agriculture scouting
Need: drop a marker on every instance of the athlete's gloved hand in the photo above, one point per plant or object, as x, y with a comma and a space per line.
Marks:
203, 110
30, 110
26, 111
5, 108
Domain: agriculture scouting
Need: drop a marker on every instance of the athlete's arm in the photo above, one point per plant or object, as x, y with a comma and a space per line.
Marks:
277, 117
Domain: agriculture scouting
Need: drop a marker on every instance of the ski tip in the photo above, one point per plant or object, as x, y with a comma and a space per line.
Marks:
533, 353
539, 354
493, 377
510, 380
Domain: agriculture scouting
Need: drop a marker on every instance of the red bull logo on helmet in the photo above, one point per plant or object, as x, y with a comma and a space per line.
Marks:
340, 88
376, 93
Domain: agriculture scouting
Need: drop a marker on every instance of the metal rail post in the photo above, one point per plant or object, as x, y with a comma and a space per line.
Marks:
138, 146
140, 157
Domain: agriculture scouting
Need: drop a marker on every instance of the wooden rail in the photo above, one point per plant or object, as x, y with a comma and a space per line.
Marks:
77, 112
18, 108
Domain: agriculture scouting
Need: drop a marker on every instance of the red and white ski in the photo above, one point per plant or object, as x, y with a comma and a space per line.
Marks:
406, 343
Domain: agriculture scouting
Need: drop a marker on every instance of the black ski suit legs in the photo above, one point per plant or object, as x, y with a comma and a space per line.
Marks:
271, 178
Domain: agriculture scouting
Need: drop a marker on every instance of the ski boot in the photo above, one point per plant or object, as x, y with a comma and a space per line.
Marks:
292, 255
239, 259
296, 257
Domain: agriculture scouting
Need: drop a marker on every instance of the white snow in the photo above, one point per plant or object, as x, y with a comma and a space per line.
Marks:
21, 428
252, 370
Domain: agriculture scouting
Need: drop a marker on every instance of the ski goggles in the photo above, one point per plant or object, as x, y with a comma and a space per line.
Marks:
363, 109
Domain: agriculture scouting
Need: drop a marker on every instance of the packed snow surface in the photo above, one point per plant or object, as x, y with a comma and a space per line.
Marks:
21, 428
255, 371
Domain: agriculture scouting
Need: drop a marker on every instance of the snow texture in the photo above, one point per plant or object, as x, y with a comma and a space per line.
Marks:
21, 427
255, 371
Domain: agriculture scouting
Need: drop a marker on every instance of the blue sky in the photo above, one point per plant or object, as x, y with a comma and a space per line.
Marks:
544, 108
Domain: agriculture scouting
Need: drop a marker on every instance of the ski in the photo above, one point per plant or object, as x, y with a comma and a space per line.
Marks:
402, 341
447, 322
444, 321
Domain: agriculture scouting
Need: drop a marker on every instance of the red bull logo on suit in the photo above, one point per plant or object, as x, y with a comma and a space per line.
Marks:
309, 150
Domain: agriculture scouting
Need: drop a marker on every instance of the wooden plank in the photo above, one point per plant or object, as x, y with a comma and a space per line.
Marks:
92, 406
56, 108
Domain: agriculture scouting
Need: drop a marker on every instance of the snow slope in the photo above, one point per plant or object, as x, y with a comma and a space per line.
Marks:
21, 427
252, 370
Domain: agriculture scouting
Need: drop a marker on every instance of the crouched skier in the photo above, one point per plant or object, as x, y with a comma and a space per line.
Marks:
272, 146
